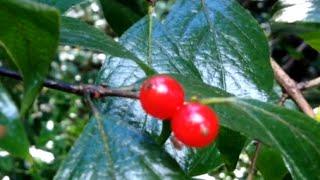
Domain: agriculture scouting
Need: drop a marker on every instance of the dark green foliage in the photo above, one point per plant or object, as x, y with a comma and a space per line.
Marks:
121, 14
216, 49
22, 23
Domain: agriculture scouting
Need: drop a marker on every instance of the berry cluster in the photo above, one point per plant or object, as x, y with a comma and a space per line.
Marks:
194, 124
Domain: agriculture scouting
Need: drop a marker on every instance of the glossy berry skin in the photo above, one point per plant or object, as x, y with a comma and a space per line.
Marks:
195, 125
161, 96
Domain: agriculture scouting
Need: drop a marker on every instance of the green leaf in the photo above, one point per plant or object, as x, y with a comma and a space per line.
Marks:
114, 149
270, 164
217, 42
191, 42
230, 145
200, 161
312, 38
195, 161
290, 132
77, 33
29, 33
13, 137
300, 17
121, 14
6, 165
62, 5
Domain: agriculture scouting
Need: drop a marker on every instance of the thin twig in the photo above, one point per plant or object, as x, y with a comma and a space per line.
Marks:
95, 91
283, 99
302, 86
291, 88
309, 84
290, 61
258, 144
252, 167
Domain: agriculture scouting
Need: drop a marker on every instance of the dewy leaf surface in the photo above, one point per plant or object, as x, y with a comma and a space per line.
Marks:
217, 42
29, 33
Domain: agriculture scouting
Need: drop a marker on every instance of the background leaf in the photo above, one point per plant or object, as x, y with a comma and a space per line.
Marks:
13, 137
29, 33
121, 14
300, 17
270, 164
230, 145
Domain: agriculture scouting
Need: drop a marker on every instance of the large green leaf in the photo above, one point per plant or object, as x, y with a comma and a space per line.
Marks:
300, 17
62, 5
121, 14
116, 150
29, 33
292, 133
13, 139
214, 41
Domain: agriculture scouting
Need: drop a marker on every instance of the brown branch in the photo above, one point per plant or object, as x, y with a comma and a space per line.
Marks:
313, 83
291, 88
95, 91
252, 167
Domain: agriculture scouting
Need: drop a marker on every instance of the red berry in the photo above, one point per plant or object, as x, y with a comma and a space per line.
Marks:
195, 125
161, 96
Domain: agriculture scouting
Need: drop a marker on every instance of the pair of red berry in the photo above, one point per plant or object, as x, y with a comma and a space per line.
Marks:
194, 124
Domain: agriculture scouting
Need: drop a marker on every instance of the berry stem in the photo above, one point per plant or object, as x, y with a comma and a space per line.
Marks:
217, 100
